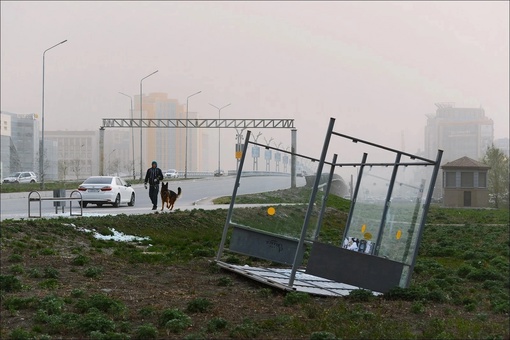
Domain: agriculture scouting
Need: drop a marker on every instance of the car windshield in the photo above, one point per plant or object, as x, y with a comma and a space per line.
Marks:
16, 174
98, 180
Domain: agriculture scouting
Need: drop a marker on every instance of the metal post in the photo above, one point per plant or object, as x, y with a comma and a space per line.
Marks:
293, 150
141, 160
219, 134
101, 151
311, 202
41, 151
132, 134
186, 153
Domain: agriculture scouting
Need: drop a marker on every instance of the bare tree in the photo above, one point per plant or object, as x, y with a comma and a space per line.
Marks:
63, 168
76, 167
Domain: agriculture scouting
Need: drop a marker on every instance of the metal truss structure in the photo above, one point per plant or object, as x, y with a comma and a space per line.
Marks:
198, 123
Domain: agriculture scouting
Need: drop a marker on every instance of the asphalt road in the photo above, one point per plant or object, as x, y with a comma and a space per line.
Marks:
196, 193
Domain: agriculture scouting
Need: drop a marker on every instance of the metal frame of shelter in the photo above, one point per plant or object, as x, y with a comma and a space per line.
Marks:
373, 254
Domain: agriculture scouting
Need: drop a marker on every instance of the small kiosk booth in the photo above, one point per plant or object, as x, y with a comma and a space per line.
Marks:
374, 247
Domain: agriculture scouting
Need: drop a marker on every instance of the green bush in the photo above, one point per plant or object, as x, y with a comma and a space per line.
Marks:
216, 324
95, 321
360, 295
322, 335
9, 283
174, 320
146, 332
292, 298
199, 305
80, 260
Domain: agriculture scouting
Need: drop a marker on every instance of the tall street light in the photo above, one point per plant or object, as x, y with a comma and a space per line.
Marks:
141, 162
186, 154
41, 151
219, 134
132, 134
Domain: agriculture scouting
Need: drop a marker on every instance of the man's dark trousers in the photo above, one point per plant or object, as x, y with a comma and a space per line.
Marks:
153, 194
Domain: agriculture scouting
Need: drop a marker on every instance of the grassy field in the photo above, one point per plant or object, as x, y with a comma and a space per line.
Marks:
59, 282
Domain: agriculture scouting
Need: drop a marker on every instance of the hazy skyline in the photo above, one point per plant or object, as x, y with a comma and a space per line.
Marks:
377, 67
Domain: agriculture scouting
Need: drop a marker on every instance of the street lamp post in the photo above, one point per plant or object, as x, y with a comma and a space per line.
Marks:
141, 162
41, 151
132, 134
219, 134
186, 154
109, 167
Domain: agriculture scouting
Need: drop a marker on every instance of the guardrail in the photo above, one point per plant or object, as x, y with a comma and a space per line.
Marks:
39, 199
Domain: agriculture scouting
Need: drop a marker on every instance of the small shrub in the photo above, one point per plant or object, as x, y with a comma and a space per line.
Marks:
77, 293
52, 304
147, 311
225, 281
16, 303
417, 307
360, 295
15, 258
47, 251
9, 283
16, 269
34, 273
20, 334
80, 260
216, 324
199, 305
93, 272
95, 321
146, 331
51, 273
264, 292
233, 260
293, 298
49, 284
247, 330
102, 303
174, 320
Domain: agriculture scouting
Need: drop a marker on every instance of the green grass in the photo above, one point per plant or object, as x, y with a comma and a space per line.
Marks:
459, 289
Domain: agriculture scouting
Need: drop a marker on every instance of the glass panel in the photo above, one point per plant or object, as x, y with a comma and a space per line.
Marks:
284, 209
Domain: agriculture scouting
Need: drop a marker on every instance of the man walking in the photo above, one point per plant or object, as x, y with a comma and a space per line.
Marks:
153, 176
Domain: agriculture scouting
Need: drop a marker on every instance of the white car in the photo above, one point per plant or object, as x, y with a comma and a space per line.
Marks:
101, 190
172, 173
21, 177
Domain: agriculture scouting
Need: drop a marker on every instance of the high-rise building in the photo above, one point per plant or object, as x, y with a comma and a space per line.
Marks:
20, 142
168, 145
458, 132
503, 145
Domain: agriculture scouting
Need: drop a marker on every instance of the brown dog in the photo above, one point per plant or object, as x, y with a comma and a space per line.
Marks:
168, 196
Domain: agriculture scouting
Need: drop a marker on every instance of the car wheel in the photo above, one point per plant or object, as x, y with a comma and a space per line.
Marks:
83, 204
32, 181
132, 201
117, 201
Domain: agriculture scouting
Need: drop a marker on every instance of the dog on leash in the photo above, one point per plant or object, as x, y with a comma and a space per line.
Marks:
168, 197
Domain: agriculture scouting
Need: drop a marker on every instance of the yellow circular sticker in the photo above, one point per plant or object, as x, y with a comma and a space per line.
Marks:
271, 211
367, 236
363, 228
399, 234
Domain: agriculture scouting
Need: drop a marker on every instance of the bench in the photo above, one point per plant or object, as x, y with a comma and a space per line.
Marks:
37, 198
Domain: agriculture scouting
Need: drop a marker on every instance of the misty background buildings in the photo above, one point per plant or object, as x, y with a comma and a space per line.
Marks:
459, 132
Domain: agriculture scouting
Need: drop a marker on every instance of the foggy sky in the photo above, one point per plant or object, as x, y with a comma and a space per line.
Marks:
377, 67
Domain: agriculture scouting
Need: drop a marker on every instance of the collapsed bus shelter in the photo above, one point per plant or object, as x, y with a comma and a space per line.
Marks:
381, 233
